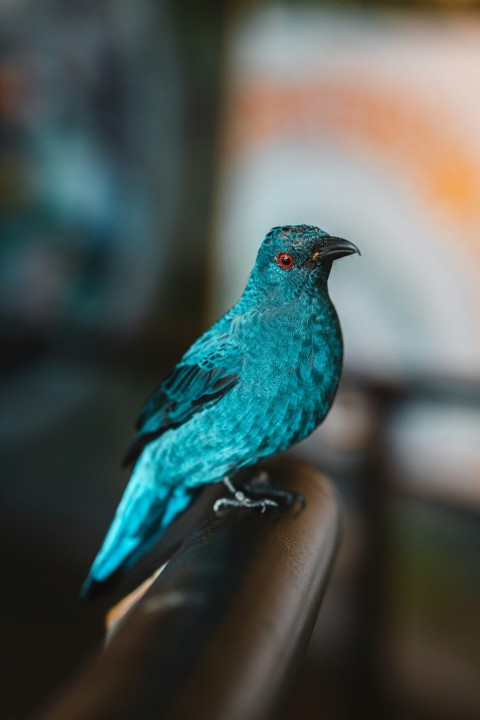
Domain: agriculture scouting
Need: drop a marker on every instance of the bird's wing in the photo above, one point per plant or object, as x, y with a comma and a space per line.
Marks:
206, 372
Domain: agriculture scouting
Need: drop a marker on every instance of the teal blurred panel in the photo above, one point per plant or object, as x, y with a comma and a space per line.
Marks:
91, 112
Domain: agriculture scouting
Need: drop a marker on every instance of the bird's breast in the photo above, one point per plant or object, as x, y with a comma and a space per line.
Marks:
291, 374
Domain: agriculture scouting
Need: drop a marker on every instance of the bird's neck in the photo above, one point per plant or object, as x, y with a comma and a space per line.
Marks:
311, 312
309, 304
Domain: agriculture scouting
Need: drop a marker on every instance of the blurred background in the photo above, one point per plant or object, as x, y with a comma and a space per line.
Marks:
146, 149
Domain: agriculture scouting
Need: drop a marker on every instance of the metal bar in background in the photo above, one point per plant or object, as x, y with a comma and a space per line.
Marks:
221, 629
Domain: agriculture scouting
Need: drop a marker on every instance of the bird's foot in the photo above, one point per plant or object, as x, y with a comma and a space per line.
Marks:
258, 494
286, 499
240, 499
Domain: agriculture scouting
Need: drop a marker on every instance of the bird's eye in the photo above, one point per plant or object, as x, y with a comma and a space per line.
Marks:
285, 261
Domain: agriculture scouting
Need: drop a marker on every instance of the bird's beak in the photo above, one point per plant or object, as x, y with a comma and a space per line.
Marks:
336, 247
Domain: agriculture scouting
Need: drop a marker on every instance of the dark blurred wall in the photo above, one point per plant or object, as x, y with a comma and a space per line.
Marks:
108, 118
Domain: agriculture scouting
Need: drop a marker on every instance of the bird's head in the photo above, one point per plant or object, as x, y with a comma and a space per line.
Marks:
297, 257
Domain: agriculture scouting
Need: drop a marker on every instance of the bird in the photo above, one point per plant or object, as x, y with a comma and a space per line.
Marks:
259, 380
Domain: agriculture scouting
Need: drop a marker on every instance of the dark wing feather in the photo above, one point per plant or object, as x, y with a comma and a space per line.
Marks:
187, 390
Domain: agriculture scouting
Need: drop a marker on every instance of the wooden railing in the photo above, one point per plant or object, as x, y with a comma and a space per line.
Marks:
221, 629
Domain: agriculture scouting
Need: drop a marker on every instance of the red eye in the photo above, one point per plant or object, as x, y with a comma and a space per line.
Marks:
285, 260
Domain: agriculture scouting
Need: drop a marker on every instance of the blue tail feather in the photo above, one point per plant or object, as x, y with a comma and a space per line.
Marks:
144, 513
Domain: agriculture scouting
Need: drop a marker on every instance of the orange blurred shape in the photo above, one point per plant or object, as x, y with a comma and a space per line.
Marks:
119, 611
400, 130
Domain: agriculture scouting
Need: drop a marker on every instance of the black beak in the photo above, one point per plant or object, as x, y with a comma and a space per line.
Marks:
336, 248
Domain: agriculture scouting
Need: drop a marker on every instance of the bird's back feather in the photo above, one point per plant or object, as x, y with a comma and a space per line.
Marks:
205, 373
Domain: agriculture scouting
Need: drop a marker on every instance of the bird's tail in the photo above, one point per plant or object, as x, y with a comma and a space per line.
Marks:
145, 511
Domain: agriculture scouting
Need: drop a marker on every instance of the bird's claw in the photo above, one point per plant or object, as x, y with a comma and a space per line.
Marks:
259, 495
283, 498
241, 500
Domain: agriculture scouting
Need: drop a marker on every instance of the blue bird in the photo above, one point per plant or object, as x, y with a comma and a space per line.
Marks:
262, 378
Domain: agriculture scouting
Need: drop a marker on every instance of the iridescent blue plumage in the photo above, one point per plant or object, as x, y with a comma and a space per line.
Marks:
259, 380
